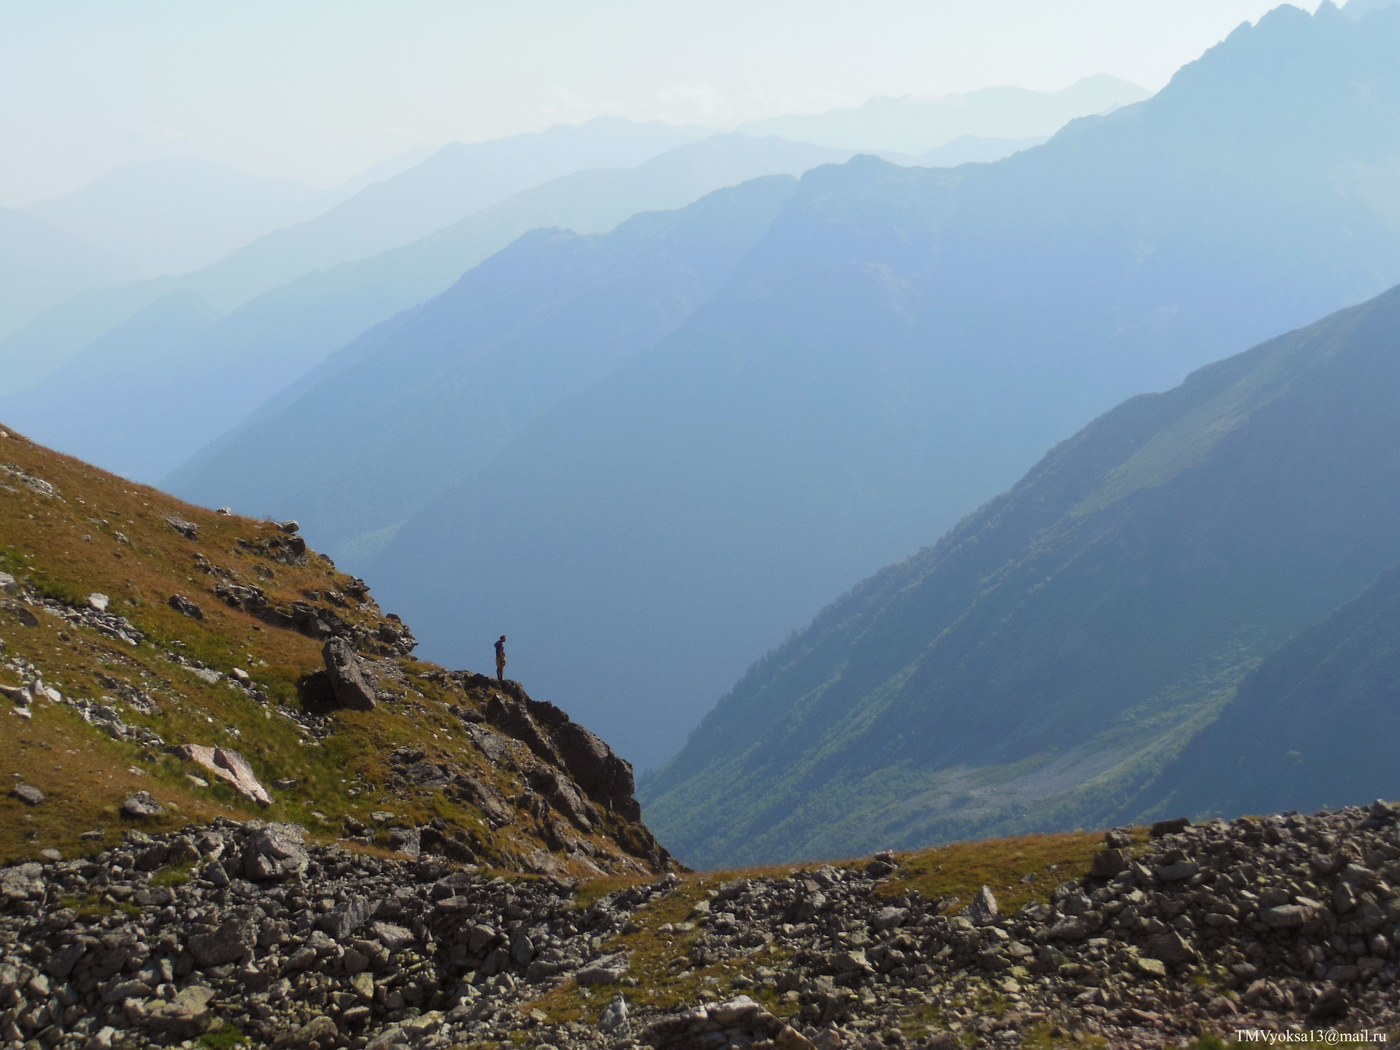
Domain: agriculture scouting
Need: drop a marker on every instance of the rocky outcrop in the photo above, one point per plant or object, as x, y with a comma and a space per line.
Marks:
554, 737
388, 637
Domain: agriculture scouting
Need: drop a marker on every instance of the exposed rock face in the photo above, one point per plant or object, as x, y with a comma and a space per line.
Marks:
353, 687
553, 736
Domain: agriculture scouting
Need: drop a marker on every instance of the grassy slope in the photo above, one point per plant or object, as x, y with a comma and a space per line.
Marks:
101, 533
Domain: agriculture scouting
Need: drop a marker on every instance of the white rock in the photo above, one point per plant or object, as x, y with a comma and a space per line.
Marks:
98, 601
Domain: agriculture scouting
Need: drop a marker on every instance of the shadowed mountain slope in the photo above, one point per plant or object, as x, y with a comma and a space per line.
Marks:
902, 345
438, 391
1038, 666
1313, 726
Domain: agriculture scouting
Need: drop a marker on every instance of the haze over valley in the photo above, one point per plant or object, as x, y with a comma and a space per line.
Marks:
869, 468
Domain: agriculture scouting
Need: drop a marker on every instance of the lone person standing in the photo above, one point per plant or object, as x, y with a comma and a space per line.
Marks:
501, 658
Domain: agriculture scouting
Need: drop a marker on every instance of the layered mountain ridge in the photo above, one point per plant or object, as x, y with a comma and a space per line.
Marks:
898, 347
1042, 664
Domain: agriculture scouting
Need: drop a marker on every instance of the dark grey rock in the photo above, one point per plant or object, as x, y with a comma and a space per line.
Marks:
275, 852
185, 607
353, 688
141, 806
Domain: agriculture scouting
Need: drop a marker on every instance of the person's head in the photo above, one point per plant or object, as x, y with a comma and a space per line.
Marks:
503, 638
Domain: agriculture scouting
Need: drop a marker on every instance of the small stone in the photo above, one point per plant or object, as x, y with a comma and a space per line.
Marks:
1150, 967
614, 1015
98, 601
188, 529
140, 806
185, 607
28, 794
1170, 827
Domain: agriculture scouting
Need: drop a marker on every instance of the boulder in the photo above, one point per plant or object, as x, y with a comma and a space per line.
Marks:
739, 1021
229, 766
186, 1016
345, 918
28, 794
1170, 827
353, 688
185, 607
608, 969
1109, 862
141, 806
187, 529
983, 908
275, 852
227, 943
1171, 949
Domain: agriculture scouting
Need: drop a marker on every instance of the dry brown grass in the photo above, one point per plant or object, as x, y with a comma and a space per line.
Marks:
67, 548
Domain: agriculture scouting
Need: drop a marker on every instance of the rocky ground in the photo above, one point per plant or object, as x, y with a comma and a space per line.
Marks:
1275, 924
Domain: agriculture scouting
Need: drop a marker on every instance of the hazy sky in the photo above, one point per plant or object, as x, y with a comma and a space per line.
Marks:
320, 89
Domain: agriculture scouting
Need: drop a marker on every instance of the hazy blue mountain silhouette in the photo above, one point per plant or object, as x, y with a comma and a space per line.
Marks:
438, 391
1040, 665
225, 371
902, 345
457, 181
913, 125
41, 265
170, 216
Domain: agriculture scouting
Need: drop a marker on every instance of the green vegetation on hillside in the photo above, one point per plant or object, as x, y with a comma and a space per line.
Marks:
75, 539
1043, 664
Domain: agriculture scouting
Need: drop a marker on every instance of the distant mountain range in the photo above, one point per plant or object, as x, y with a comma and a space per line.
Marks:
42, 266
170, 216
1042, 665
914, 125
898, 347
455, 182
179, 214
438, 391
183, 390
